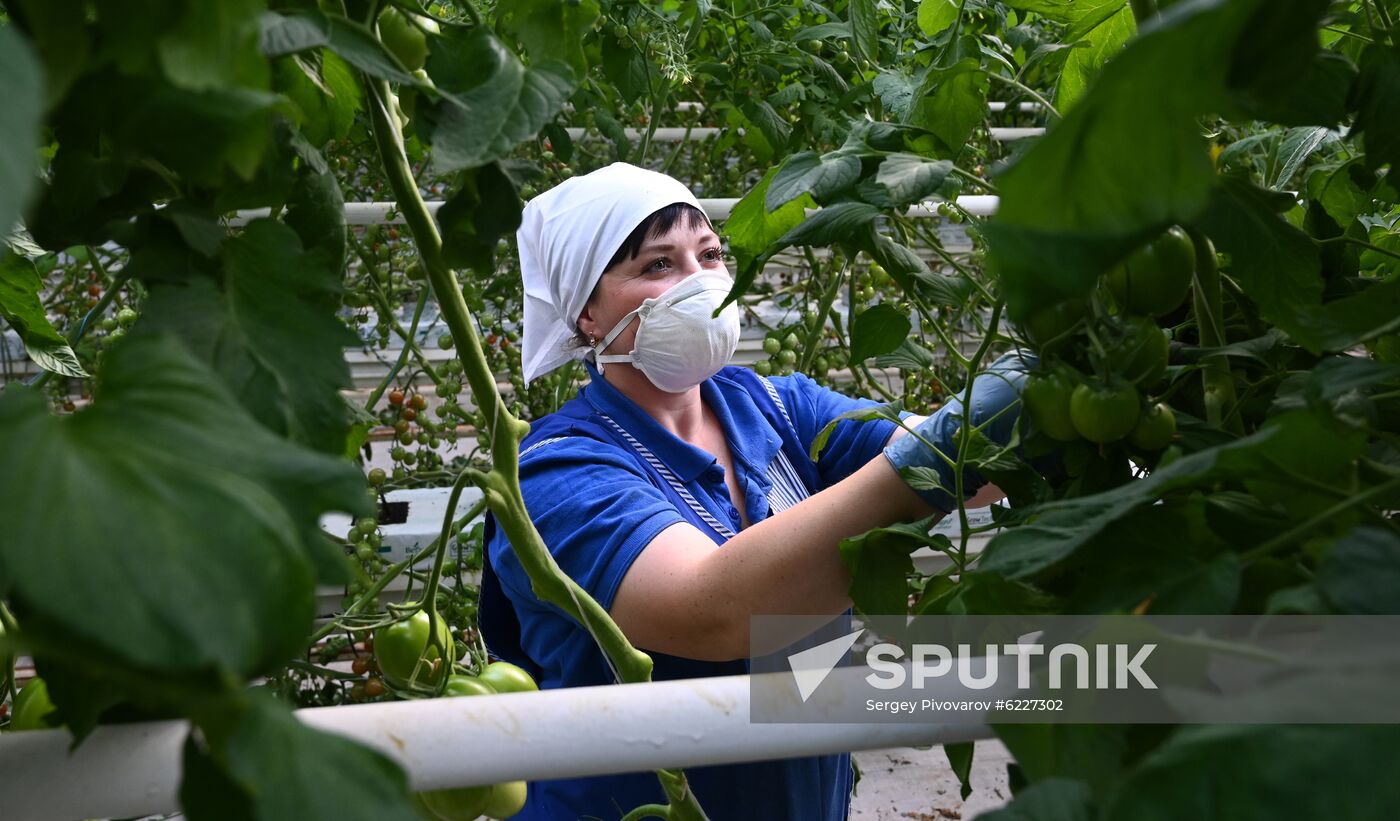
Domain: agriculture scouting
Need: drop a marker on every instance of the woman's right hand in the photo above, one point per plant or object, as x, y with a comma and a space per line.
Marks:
996, 405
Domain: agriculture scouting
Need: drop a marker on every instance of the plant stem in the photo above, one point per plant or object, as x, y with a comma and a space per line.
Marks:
501, 486
1217, 383
1362, 244
1317, 519
814, 330
1036, 95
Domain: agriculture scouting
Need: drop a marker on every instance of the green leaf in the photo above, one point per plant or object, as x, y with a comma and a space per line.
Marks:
1104, 42
1129, 158
1278, 266
1080, 15
1361, 574
285, 34
865, 29
911, 178
880, 565
960, 761
1377, 96
829, 225
20, 118
807, 173
1057, 530
895, 89
254, 759
627, 70
1091, 755
551, 30
270, 331
1262, 773
214, 45
1054, 799
179, 534
1297, 145
774, 126
751, 229
1317, 97
1162, 555
60, 35
888, 412
491, 101
484, 208
20, 306
879, 330
316, 211
949, 103
935, 16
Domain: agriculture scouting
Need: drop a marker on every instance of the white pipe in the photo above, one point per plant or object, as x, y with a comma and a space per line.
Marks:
377, 213
1008, 134
675, 135
134, 769
1025, 108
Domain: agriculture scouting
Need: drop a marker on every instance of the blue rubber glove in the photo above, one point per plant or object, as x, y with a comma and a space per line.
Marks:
996, 395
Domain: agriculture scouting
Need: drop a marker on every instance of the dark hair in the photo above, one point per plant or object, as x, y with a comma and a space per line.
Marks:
658, 224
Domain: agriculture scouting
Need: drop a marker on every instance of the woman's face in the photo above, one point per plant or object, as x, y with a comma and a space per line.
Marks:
662, 262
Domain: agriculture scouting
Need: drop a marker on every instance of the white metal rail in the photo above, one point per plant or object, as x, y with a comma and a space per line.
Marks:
134, 769
385, 213
671, 134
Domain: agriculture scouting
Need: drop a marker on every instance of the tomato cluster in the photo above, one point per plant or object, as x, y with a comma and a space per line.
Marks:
492, 800
1104, 357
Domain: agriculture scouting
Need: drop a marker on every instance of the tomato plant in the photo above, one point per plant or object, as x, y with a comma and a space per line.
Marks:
209, 363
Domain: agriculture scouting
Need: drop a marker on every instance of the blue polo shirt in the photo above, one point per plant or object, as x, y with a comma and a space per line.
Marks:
601, 478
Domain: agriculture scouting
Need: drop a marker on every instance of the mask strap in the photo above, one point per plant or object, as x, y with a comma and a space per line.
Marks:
598, 355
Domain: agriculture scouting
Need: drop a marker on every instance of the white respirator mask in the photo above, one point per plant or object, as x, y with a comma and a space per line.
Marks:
680, 343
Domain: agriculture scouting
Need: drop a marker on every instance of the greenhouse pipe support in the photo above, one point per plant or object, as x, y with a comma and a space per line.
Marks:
134, 769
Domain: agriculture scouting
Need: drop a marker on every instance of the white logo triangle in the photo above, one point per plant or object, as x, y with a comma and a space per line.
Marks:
811, 666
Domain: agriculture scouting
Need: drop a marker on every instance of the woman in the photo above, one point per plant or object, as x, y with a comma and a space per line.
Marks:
666, 457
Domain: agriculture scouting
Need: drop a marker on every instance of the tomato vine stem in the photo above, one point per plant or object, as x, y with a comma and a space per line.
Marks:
501, 485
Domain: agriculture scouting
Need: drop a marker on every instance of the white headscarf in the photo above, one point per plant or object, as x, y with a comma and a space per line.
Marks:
566, 237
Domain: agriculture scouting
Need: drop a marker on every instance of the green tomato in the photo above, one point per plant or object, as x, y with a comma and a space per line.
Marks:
763, 367
787, 357
1050, 327
126, 317
771, 346
377, 476
1047, 399
399, 647
32, 707
507, 799
504, 677
463, 804
446, 342
405, 40
1140, 354
1155, 279
458, 685
1155, 429
791, 341
1102, 414
812, 46
416, 272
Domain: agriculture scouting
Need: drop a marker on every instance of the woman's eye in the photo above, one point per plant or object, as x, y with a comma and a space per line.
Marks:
714, 255
659, 264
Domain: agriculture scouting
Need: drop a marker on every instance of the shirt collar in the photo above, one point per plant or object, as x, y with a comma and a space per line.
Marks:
750, 436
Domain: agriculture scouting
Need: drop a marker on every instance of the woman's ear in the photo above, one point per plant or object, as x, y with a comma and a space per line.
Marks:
586, 324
